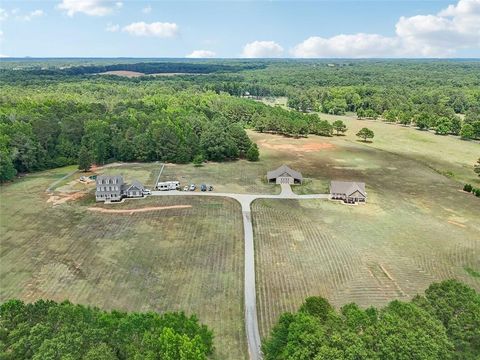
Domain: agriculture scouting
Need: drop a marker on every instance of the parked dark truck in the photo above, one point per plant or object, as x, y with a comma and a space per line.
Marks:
203, 187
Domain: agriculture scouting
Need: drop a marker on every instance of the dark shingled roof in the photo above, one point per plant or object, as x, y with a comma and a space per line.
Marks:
137, 184
347, 187
100, 178
284, 169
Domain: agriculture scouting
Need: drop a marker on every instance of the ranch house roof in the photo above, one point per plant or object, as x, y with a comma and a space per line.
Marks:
347, 187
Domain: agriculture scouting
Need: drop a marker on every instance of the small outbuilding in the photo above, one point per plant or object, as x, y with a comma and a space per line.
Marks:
349, 191
284, 175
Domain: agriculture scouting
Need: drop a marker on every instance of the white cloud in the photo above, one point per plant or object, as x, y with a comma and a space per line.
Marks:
357, 45
119, 4
32, 15
157, 29
262, 49
147, 9
15, 14
112, 27
3, 14
197, 54
454, 28
4, 56
88, 7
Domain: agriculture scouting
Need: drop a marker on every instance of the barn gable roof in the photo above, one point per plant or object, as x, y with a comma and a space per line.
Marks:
284, 169
347, 187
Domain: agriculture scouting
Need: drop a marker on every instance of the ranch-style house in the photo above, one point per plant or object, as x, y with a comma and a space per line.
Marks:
349, 191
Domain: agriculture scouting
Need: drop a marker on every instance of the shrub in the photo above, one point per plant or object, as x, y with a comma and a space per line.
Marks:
198, 160
468, 188
253, 153
476, 192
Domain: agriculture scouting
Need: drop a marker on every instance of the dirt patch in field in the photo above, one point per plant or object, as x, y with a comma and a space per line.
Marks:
302, 148
456, 223
61, 198
145, 209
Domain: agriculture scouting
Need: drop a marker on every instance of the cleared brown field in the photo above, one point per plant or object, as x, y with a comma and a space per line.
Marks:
179, 259
416, 228
125, 73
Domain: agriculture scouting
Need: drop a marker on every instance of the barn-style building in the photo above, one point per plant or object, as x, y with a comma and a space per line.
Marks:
284, 175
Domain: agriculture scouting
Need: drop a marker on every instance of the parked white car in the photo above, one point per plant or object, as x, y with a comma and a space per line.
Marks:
147, 192
185, 188
192, 187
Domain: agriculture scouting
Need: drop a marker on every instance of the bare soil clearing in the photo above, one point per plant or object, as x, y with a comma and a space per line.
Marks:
135, 74
307, 146
61, 198
125, 73
138, 210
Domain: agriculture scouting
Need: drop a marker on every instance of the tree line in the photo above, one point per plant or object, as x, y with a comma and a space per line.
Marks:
442, 324
54, 127
46, 330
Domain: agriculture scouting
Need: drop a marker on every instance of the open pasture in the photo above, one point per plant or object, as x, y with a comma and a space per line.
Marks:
447, 155
241, 176
186, 253
416, 228
188, 258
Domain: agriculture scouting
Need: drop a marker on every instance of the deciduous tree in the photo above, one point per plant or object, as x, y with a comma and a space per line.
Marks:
365, 133
339, 126
84, 159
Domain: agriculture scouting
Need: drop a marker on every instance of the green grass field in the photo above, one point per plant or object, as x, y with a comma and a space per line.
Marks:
238, 176
447, 155
417, 227
169, 260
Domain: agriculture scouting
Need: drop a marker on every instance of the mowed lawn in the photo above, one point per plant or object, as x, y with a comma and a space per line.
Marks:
417, 227
188, 259
240, 176
447, 155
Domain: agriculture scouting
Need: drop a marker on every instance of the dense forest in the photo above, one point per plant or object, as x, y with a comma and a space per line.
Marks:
46, 330
443, 324
45, 126
53, 110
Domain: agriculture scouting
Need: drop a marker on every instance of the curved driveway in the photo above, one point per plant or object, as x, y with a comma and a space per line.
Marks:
245, 200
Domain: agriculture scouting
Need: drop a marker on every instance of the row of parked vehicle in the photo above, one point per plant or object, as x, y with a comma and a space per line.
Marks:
193, 187
175, 185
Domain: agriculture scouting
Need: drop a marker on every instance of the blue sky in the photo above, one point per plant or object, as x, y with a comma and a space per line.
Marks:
111, 28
